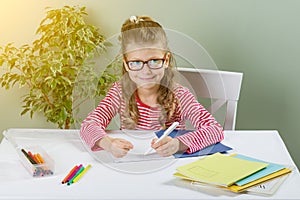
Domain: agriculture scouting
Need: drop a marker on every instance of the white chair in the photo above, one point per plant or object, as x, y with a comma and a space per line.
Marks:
222, 87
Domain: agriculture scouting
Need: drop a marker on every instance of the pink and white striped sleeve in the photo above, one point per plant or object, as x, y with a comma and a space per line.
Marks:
93, 126
208, 130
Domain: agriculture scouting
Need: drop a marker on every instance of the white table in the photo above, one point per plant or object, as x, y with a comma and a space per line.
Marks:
135, 180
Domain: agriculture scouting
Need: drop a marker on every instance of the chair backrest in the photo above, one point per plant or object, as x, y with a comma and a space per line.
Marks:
223, 87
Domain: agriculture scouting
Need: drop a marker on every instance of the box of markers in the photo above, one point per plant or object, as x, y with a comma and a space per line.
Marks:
36, 160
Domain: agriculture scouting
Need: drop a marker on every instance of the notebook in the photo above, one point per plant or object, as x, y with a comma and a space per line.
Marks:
262, 182
268, 187
265, 181
219, 169
271, 168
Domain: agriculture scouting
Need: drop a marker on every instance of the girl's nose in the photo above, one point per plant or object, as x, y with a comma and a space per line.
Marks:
146, 69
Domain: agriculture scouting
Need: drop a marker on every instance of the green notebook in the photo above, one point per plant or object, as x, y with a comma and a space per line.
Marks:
219, 169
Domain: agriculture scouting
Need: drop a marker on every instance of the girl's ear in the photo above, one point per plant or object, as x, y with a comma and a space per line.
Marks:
167, 59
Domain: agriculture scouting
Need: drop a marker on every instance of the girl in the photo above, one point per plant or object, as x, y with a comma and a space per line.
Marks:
147, 98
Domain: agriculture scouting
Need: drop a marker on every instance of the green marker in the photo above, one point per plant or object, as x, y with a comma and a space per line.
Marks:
78, 172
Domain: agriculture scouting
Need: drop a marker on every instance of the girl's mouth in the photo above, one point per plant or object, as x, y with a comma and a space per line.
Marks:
146, 78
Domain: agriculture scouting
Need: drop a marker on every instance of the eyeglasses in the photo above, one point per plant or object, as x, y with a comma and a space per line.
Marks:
136, 65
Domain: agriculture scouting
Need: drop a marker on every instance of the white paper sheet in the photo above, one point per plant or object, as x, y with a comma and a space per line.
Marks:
141, 141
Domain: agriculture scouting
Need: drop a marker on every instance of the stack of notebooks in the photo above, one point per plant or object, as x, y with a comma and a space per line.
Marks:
236, 173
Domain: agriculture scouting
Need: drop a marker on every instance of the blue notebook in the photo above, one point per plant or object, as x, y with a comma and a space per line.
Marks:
218, 147
271, 168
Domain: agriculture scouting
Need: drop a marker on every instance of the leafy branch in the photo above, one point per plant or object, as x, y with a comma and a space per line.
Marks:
49, 67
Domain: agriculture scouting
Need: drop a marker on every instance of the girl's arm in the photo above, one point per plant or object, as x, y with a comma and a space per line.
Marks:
208, 130
93, 127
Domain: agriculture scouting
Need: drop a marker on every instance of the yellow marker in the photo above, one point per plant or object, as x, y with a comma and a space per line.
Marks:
82, 173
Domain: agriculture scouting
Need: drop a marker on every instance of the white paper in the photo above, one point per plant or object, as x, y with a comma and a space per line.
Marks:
141, 141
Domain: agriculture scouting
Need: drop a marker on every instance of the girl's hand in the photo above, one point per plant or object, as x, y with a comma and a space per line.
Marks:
167, 146
116, 146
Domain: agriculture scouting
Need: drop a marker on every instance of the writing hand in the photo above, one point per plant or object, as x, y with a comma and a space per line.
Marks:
166, 147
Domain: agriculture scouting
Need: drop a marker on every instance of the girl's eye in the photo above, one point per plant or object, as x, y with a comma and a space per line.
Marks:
155, 61
135, 63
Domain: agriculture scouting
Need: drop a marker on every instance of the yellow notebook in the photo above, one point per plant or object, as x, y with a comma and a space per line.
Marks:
219, 169
236, 188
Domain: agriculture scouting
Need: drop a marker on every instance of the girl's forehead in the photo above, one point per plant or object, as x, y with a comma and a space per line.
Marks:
145, 52
155, 47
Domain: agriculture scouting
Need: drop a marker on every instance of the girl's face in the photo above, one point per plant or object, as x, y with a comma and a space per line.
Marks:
146, 66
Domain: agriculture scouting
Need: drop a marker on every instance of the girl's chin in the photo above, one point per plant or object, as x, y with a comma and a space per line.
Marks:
148, 85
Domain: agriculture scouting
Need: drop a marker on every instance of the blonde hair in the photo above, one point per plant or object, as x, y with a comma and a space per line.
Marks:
142, 30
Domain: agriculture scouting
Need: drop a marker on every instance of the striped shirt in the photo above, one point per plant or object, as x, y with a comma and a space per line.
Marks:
207, 130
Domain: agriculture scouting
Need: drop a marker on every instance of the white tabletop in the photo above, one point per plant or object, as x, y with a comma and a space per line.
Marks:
132, 180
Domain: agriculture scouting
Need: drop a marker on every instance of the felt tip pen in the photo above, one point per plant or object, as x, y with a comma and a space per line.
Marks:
165, 134
40, 158
78, 172
28, 157
74, 173
82, 173
69, 174
32, 156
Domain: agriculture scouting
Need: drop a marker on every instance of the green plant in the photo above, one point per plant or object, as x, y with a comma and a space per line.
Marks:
49, 68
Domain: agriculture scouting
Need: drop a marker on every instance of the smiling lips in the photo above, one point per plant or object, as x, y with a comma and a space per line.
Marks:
147, 78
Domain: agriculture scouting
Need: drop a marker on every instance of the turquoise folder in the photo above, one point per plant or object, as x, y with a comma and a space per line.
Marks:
271, 168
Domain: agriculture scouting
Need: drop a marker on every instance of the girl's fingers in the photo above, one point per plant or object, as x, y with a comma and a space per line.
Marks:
126, 145
160, 143
153, 141
120, 147
122, 144
168, 148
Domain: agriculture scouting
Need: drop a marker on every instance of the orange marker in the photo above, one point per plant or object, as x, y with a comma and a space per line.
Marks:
68, 176
40, 158
36, 159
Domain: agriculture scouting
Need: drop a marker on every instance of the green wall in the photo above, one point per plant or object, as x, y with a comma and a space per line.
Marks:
261, 39
257, 37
